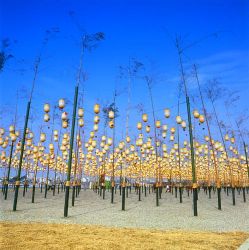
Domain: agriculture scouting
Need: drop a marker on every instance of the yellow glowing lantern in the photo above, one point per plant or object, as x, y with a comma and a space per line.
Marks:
96, 108
167, 113
178, 119
145, 117
46, 117
158, 124
46, 107
196, 113
80, 112
61, 103
201, 118
139, 125
42, 137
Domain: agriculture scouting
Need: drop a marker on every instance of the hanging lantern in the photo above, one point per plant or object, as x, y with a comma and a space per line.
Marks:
232, 140
46, 117
64, 124
1, 131
64, 116
196, 114
111, 114
80, 112
42, 137
96, 108
61, 103
95, 127
111, 124
128, 139
46, 108
103, 138
17, 133
55, 132
81, 122
139, 125
172, 130
167, 113
11, 129
201, 118
226, 137
96, 119
51, 147
109, 141
13, 137
165, 127
183, 124
92, 134
147, 128
206, 138
164, 134
158, 124
178, 119
1, 141
172, 138
145, 117
56, 138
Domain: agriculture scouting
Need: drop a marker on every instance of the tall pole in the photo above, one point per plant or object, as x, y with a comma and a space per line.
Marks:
8, 175
70, 153
179, 50
21, 156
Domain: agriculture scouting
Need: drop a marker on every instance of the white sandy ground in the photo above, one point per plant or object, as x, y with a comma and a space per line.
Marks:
90, 208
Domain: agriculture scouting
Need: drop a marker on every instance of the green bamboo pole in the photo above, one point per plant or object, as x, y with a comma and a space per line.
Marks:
192, 157
21, 156
8, 175
70, 153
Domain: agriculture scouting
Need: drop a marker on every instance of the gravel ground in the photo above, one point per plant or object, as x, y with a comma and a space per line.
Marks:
90, 208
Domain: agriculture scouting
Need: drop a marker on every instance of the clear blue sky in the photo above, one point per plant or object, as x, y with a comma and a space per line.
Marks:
140, 29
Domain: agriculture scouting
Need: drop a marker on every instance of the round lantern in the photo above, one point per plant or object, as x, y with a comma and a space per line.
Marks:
111, 114
226, 137
51, 146
206, 138
11, 129
92, 134
1, 131
232, 140
64, 116
145, 117
172, 138
158, 124
56, 138
147, 128
80, 112
81, 122
1, 141
179, 119
196, 114
165, 128
96, 119
56, 132
111, 124
17, 133
109, 141
139, 125
164, 134
95, 127
201, 118
103, 138
46, 117
184, 125
128, 139
46, 108
172, 130
61, 103
13, 137
96, 108
64, 124
42, 137
167, 113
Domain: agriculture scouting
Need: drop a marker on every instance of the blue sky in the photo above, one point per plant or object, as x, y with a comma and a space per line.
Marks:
134, 29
